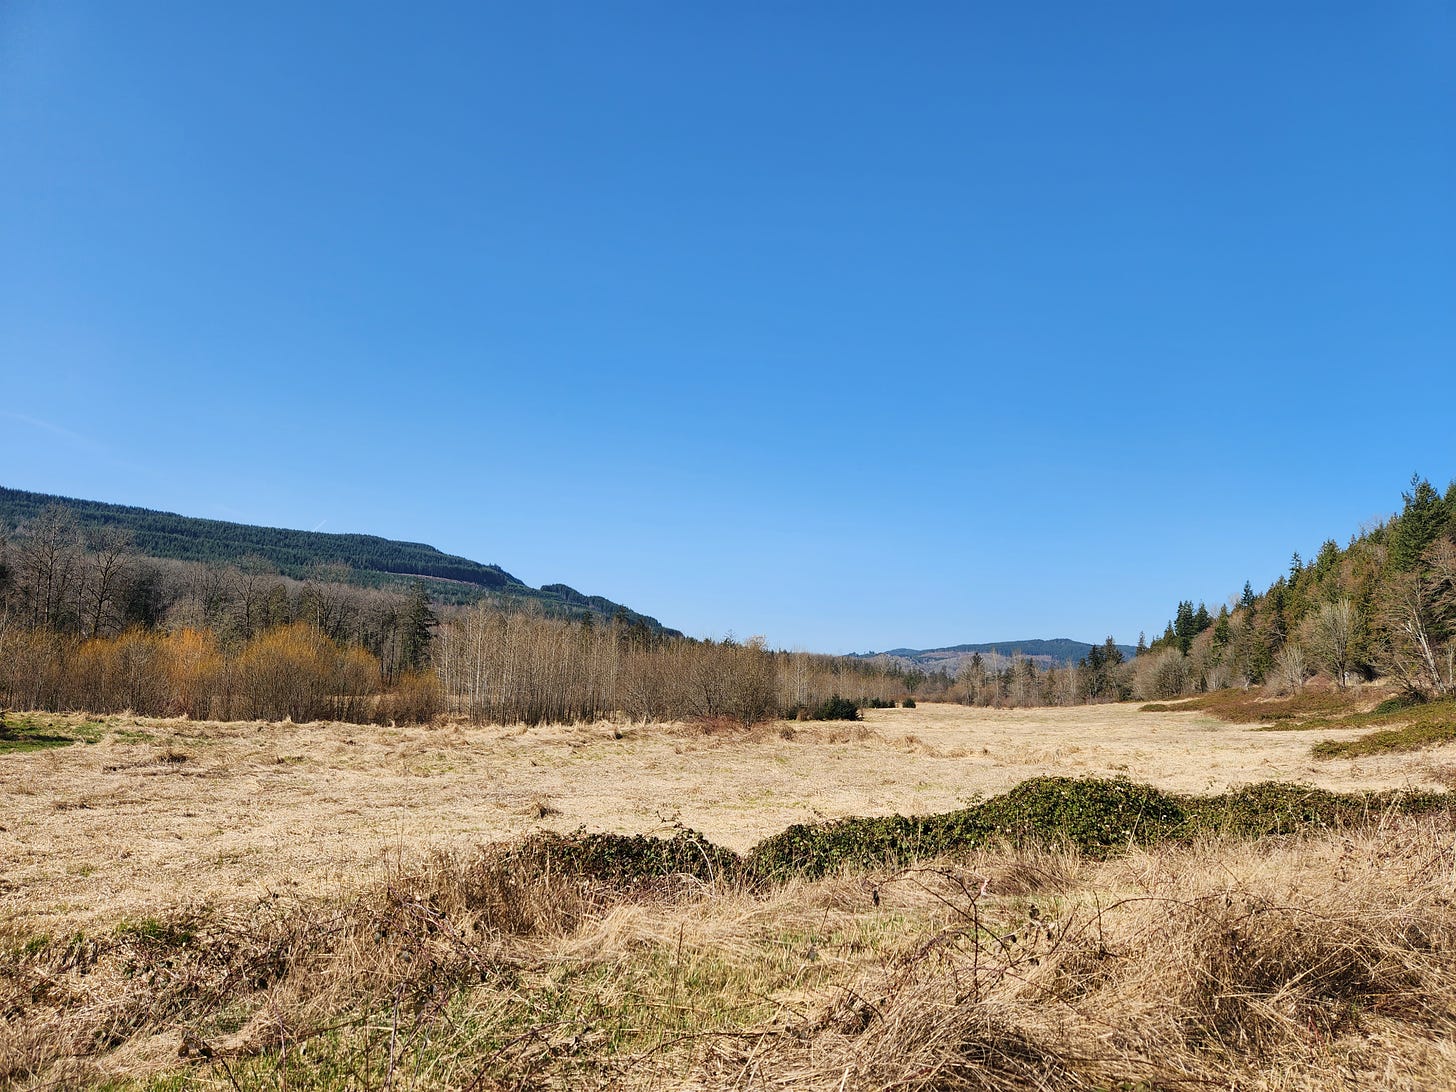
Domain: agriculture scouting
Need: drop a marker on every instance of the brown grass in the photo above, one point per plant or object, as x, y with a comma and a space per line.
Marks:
1284, 965
273, 905
161, 812
1257, 706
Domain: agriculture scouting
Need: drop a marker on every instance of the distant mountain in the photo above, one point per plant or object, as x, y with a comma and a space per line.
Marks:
364, 560
1056, 652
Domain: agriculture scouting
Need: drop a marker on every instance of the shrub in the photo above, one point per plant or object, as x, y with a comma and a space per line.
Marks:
415, 699
297, 672
835, 708
908, 703
623, 860
1096, 815
1412, 737
1403, 701
1276, 807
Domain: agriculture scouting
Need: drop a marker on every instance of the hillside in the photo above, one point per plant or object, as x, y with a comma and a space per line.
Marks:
370, 561
1057, 652
1382, 606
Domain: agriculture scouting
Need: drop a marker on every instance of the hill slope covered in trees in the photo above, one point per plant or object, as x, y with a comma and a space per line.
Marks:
1045, 653
1384, 605
361, 560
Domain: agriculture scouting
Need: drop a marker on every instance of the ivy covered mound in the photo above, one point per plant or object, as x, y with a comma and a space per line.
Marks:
1099, 816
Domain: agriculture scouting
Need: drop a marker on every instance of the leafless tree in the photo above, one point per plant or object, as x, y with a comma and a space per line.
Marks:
1414, 616
49, 564
1290, 668
1329, 633
108, 565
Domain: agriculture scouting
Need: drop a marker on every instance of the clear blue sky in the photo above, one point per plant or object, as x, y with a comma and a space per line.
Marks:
852, 325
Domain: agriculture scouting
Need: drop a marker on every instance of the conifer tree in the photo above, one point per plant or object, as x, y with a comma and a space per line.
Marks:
418, 631
1247, 600
1424, 517
1183, 626
1221, 629
1201, 620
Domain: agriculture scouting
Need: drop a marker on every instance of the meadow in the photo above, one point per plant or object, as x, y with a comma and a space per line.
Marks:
262, 905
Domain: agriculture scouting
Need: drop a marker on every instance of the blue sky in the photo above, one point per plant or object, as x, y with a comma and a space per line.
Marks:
856, 326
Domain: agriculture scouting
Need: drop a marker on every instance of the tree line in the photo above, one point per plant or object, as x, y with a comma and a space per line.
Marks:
1382, 606
87, 622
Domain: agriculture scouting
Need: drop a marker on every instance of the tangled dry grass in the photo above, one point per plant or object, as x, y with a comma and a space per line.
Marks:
1291, 963
190, 905
155, 812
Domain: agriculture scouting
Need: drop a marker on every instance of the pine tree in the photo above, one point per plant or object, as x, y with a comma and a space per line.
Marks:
1183, 626
1111, 654
1201, 620
1424, 517
1221, 629
1327, 560
418, 630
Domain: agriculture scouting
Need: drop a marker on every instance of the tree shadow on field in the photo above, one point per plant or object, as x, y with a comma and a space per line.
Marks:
26, 735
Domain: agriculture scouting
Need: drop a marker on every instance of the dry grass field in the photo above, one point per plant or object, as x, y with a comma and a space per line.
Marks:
341, 867
160, 811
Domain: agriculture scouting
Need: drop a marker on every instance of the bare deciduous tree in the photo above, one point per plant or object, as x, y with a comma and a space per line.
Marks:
1414, 615
1290, 668
108, 565
1329, 632
49, 564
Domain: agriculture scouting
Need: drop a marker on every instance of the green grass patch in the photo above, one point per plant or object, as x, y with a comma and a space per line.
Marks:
1420, 714
1404, 725
19, 734
132, 735
29, 732
1403, 701
580, 1023
1408, 723
154, 931
88, 731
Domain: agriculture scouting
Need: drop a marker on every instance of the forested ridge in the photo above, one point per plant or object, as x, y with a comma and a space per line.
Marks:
91, 619
1381, 606
1057, 650
357, 559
